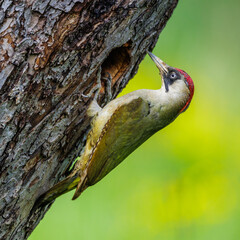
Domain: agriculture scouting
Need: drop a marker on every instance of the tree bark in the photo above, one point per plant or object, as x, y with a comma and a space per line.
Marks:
51, 53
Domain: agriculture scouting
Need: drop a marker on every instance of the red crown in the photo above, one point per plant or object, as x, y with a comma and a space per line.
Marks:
190, 86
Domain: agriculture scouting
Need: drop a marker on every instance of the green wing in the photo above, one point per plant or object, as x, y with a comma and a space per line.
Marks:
122, 134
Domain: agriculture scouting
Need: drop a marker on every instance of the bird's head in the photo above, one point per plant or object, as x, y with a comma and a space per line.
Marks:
174, 80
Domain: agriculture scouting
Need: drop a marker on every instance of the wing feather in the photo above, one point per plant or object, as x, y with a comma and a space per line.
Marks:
120, 136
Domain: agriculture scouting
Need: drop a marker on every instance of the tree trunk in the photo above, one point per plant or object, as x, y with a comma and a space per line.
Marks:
51, 54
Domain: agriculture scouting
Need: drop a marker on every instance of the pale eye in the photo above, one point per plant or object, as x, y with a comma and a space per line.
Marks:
173, 75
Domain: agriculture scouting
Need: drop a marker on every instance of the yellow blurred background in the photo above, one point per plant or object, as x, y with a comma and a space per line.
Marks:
184, 182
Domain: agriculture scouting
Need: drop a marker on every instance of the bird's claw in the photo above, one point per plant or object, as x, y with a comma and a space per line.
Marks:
108, 87
96, 88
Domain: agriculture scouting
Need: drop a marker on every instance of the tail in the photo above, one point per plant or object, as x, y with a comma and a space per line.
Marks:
81, 186
62, 187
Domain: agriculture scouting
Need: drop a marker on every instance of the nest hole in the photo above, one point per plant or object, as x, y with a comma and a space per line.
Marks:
117, 63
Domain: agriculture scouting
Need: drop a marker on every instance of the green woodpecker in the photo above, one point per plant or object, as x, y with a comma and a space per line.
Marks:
123, 125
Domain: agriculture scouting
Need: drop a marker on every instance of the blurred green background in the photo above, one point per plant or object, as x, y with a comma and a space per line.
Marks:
184, 182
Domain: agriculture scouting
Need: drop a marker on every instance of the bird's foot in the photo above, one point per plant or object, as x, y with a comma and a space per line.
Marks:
96, 88
108, 88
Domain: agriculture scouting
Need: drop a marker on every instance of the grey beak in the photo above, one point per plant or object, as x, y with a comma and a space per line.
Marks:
162, 66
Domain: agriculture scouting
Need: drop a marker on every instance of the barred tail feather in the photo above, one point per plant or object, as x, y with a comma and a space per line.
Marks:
62, 187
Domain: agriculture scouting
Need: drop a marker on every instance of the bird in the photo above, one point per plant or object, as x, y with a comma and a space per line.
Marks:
123, 125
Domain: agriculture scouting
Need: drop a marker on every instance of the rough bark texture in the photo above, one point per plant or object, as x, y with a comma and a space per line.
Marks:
51, 53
